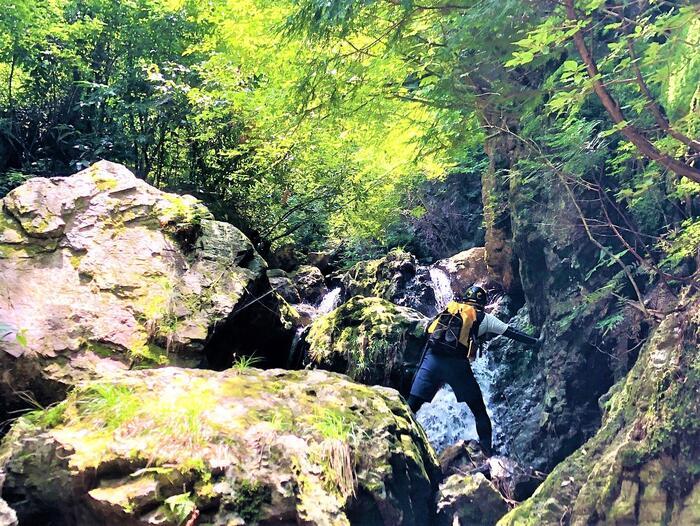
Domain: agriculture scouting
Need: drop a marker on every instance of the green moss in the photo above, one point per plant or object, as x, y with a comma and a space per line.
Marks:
248, 499
100, 349
27, 250
148, 355
48, 418
630, 457
365, 338
180, 211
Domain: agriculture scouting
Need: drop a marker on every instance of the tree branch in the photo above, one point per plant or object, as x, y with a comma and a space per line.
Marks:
659, 117
631, 132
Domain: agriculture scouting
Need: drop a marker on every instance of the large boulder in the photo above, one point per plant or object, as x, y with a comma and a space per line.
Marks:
641, 467
395, 277
102, 272
371, 340
244, 446
467, 268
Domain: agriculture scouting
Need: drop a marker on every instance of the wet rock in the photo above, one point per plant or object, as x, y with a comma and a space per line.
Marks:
468, 268
517, 388
371, 340
513, 481
641, 465
469, 500
103, 272
252, 447
463, 457
283, 285
396, 277
310, 283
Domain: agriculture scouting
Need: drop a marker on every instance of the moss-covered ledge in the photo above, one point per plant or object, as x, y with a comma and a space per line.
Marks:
642, 467
369, 339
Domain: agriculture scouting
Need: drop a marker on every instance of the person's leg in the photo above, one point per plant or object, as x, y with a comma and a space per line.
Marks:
415, 403
426, 383
467, 390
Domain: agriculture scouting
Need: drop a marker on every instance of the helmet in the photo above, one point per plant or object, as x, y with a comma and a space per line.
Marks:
475, 296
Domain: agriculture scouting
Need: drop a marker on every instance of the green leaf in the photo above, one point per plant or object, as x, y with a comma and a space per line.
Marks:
22, 337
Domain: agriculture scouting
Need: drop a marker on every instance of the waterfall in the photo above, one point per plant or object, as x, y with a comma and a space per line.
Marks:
441, 286
329, 302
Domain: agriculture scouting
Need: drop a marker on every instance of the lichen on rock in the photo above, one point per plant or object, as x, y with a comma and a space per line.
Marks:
641, 467
102, 271
369, 339
282, 447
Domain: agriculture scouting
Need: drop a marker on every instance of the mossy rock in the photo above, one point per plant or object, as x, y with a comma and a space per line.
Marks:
103, 271
243, 446
370, 339
396, 277
641, 467
469, 499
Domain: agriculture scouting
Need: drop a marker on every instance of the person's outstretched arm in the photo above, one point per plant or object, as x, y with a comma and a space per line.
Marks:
493, 325
519, 336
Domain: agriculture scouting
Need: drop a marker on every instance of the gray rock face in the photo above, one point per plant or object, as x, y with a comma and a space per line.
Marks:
102, 272
283, 285
310, 283
468, 268
252, 447
641, 465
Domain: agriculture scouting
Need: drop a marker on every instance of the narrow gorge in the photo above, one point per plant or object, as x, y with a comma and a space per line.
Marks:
349, 263
142, 297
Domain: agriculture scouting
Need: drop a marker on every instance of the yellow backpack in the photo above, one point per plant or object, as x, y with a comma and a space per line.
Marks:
454, 326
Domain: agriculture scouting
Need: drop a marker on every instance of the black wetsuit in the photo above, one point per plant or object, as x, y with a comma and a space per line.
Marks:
442, 365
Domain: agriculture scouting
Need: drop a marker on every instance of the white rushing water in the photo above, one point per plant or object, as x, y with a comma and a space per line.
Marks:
447, 421
441, 287
329, 302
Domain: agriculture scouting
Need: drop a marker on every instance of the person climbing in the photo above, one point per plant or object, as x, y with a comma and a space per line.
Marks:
452, 344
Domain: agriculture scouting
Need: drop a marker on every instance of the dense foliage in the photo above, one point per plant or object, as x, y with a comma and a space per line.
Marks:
309, 121
211, 98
